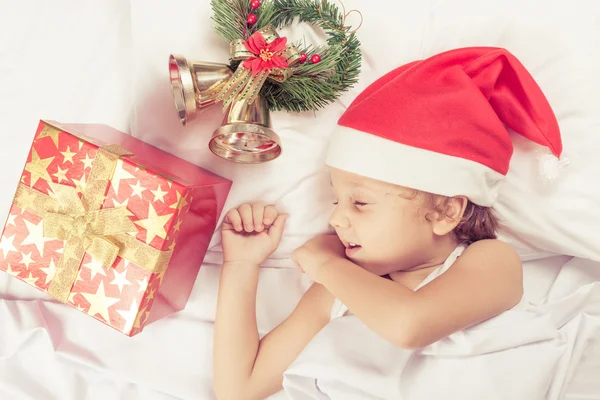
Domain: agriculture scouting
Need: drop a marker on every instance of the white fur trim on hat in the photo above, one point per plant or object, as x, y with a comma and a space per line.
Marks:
385, 160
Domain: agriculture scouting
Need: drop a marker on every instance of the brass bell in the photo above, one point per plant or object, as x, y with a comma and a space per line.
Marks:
245, 135
195, 84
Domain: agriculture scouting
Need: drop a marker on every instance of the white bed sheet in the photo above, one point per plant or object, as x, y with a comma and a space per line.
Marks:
48, 351
71, 61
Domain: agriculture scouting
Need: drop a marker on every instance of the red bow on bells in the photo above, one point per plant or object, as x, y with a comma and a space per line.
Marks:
266, 53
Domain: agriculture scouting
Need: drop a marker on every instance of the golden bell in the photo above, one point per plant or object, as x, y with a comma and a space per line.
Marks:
195, 84
246, 135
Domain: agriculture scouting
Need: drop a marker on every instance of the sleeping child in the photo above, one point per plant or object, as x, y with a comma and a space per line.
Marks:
416, 164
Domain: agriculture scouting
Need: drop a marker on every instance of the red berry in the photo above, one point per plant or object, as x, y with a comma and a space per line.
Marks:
255, 4
303, 58
251, 19
315, 58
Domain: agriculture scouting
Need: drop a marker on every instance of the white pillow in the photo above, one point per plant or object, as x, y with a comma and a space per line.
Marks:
558, 42
560, 45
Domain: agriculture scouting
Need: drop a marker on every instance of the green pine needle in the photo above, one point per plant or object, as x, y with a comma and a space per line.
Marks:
229, 17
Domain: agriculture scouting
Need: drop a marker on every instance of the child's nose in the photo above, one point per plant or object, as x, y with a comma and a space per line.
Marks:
338, 219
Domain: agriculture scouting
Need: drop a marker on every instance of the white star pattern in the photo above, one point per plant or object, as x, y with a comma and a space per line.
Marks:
11, 219
30, 279
99, 303
125, 204
26, 259
53, 195
95, 267
138, 320
154, 224
80, 183
159, 194
119, 174
178, 225
35, 236
79, 278
129, 316
72, 299
87, 162
143, 284
6, 245
182, 201
120, 280
137, 189
50, 271
151, 295
61, 174
12, 272
68, 155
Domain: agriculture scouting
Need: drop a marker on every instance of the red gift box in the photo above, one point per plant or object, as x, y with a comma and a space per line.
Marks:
109, 224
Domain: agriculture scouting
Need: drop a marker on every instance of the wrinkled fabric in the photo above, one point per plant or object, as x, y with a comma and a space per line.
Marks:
528, 352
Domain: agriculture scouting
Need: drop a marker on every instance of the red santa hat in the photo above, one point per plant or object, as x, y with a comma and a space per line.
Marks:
439, 125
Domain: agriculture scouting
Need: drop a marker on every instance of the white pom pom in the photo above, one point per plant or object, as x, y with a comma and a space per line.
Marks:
551, 166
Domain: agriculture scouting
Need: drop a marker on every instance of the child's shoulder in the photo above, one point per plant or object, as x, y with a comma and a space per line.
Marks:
491, 248
495, 256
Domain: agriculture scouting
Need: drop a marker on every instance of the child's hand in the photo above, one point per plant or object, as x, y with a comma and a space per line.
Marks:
251, 233
315, 253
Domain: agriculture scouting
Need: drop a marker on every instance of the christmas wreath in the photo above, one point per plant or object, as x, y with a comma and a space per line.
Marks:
293, 77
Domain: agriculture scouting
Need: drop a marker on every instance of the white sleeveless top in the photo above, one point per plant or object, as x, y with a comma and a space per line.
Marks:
349, 361
339, 309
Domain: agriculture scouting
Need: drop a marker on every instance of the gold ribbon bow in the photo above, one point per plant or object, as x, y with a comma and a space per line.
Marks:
243, 85
103, 233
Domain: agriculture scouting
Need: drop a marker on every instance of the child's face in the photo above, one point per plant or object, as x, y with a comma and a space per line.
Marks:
387, 226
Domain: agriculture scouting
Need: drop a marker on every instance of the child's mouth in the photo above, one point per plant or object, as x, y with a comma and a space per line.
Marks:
352, 249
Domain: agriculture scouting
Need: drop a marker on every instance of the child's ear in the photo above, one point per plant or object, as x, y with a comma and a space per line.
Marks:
451, 217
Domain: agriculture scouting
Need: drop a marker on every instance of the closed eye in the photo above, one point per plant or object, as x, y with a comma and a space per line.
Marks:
356, 203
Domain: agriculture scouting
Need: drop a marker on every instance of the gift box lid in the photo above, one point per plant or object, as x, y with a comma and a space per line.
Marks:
145, 154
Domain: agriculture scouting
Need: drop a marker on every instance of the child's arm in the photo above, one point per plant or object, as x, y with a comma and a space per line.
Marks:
244, 367
485, 281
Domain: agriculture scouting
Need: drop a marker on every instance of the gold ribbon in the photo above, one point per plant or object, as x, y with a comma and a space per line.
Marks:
85, 227
242, 85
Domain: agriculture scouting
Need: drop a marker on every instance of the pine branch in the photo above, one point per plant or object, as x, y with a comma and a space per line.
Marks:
315, 85
229, 17
323, 14
310, 87
267, 15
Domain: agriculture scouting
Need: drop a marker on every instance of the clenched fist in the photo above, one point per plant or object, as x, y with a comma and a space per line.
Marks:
251, 233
